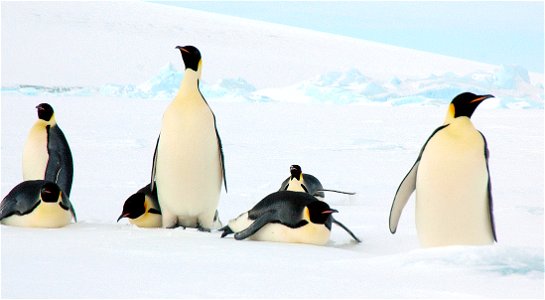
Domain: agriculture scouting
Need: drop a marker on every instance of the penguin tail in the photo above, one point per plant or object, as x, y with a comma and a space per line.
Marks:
226, 231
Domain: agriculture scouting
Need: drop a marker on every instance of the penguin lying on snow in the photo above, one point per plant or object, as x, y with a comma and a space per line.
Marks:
142, 208
37, 203
452, 182
188, 164
47, 155
285, 216
299, 182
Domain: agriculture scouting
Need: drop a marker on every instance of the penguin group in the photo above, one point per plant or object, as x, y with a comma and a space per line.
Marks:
450, 178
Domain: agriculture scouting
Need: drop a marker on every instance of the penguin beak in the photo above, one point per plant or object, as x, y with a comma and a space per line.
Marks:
122, 216
482, 98
182, 49
330, 211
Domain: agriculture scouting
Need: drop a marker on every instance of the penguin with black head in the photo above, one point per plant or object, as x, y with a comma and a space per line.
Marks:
452, 181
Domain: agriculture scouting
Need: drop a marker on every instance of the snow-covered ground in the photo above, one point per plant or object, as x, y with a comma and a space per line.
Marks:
275, 106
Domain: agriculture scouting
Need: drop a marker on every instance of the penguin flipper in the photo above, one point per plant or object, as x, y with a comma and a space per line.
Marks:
66, 204
263, 220
21, 200
336, 191
222, 158
346, 229
404, 192
60, 166
285, 184
406, 188
489, 189
154, 165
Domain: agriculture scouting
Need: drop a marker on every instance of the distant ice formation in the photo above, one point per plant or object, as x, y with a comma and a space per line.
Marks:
510, 84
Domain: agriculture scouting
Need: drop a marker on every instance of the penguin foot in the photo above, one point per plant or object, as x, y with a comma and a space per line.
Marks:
202, 229
226, 231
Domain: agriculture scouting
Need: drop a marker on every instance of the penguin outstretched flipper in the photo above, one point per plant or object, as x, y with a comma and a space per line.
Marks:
333, 191
346, 229
406, 188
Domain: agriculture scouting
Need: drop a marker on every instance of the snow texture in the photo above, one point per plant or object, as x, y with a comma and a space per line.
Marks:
356, 121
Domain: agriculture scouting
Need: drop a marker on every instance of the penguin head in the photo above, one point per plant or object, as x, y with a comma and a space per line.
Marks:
191, 56
465, 104
45, 111
50, 192
296, 172
134, 207
319, 212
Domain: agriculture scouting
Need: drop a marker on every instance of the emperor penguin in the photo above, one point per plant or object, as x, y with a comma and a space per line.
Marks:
37, 203
284, 216
142, 208
452, 182
306, 183
46, 154
188, 165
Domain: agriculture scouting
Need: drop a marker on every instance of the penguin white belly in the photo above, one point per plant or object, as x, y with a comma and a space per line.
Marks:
35, 155
188, 171
451, 189
46, 215
295, 185
310, 233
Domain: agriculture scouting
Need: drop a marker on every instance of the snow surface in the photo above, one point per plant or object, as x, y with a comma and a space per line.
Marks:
366, 146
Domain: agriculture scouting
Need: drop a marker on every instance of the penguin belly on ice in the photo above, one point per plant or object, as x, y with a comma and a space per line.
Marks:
188, 164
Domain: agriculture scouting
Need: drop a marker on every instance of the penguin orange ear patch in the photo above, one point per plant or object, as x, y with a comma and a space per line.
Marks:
306, 214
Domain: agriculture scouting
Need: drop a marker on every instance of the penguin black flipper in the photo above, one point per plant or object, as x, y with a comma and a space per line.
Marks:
60, 166
406, 188
264, 219
67, 205
346, 229
154, 167
220, 146
489, 187
222, 159
16, 201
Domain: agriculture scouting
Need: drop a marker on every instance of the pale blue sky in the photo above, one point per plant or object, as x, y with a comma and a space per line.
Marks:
490, 32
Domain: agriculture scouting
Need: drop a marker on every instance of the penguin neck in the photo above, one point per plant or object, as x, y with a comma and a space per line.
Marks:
190, 82
450, 115
43, 123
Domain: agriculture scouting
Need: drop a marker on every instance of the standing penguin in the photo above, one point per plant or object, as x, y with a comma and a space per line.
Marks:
142, 208
46, 154
188, 164
452, 182
37, 203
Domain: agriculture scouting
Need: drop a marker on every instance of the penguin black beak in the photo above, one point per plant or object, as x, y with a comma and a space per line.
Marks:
482, 98
182, 49
122, 216
330, 211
